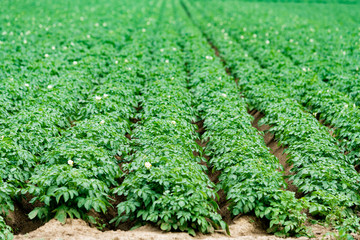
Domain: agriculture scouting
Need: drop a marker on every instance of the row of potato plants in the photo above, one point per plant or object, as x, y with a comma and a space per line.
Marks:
326, 103
320, 170
165, 184
67, 107
250, 174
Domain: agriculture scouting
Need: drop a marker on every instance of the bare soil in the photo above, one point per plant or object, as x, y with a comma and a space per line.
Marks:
244, 227
275, 148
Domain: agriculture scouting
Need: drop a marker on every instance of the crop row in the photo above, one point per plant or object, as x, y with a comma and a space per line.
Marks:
320, 171
165, 183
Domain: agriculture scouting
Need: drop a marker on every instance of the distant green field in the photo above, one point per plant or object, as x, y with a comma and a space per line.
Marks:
143, 112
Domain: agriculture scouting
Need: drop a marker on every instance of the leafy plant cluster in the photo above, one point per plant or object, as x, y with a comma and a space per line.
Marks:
321, 171
165, 183
249, 173
66, 104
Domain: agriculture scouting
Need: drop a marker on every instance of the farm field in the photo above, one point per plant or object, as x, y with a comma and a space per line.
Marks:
179, 119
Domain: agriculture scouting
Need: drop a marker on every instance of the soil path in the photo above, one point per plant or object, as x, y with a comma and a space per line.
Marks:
244, 227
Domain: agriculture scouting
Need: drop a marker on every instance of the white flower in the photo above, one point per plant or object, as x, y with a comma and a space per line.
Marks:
344, 53
81, 18
276, 32
97, 98
354, 105
209, 57
97, 24
75, 62
267, 42
167, 60
304, 69
148, 165
173, 122
126, 61
65, 47
26, 85
102, 121
246, 55
2, 138
291, 40
267, 34
174, 49
254, 35
25, 41
224, 95
27, 32
106, 95
230, 42
88, 36
242, 37
311, 40
53, 47
244, 29
346, 106
169, 96
50, 86
143, 30
72, 44
4, 33
47, 55
162, 50
129, 68
70, 162
116, 62
104, 24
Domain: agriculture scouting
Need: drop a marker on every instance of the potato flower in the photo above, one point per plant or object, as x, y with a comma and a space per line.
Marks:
148, 165
71, 162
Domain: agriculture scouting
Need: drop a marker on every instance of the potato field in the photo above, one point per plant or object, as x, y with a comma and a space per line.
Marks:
181, 114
